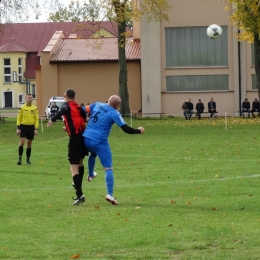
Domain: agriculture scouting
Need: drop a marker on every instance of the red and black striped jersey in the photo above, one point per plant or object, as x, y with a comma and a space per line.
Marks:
74, 117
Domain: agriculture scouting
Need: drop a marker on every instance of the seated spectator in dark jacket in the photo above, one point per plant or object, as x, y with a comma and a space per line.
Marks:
255, 107
199, 108
246, 108
189, 111
212, 108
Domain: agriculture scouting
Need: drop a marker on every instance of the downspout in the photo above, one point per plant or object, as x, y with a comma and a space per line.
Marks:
239, 74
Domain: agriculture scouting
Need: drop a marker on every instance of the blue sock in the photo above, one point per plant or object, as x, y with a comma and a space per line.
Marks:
110, 182
91, 164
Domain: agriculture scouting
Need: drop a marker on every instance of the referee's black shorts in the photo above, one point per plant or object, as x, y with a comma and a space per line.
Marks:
77, 149
27, 131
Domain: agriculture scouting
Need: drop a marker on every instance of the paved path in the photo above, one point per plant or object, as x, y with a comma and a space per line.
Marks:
8, 114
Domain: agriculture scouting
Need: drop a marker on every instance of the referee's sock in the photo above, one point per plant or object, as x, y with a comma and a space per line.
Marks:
20, 152
77, 182
110, 181
81, 172
28, 153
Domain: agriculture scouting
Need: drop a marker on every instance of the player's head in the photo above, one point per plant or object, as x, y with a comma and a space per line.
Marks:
54, 103
29, 99
69, 94
114, 101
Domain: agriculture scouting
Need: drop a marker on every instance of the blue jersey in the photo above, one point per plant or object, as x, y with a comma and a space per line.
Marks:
102, 118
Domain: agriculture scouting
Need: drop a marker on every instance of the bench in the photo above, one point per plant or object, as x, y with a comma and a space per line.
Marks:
195, 113
148, 114
2, 118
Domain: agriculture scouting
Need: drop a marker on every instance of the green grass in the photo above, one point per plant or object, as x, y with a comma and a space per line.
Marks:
186, 190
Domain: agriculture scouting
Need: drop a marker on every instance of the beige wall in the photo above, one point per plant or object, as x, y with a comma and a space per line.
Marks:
190, 13
92, 81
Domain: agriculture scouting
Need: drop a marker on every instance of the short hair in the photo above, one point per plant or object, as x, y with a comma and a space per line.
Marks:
70, 93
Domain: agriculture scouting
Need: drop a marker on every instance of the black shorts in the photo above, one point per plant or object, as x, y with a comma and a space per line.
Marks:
27, 131
76, 149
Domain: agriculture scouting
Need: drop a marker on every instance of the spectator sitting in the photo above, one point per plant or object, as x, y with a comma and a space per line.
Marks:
246, 108
199, 108
189, 106
212, 108
185, 110
255, 107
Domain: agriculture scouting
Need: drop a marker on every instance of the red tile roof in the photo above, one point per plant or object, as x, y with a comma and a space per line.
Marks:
105, 49
33, 37
12, 47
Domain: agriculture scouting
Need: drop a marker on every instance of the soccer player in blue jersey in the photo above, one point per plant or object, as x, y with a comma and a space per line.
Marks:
103, 116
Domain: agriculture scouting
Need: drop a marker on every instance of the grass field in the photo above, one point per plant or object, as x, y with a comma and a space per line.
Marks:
186, 190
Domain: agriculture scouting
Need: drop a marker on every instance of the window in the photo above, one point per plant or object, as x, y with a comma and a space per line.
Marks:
191, 47
33, 89
197, 83
21, 98
253, 77
20, 69
7, 70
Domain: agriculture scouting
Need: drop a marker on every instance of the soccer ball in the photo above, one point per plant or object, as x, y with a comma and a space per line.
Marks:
214, 31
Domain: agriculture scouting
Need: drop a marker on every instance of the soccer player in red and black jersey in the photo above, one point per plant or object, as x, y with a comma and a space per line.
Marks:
74, 119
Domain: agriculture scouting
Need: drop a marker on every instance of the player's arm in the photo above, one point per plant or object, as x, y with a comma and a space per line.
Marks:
129, 130
83, 113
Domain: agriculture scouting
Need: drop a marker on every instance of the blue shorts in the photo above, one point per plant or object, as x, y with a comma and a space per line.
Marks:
101, 149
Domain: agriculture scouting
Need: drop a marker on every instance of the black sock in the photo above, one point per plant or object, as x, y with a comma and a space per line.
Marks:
81, 173
20, 152
77, 182
28, 153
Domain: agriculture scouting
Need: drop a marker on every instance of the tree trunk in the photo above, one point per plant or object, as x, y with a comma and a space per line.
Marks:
257, 62
123, 90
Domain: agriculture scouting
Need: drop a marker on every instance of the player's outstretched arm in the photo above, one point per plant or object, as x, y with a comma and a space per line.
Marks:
129, 130
141, 129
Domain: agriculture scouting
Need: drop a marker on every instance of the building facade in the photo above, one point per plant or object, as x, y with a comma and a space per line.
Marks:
179, 61
20, 47
90, 67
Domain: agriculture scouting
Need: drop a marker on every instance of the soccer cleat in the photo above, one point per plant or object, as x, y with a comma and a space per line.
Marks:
90, 178
19, 162
111, 199
28, 162
79, 200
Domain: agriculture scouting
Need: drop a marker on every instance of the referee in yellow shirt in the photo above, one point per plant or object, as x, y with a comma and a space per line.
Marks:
27, 127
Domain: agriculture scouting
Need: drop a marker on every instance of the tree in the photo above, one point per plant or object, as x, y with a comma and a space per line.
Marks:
18, 10
245, 14
123, 11
76, 13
